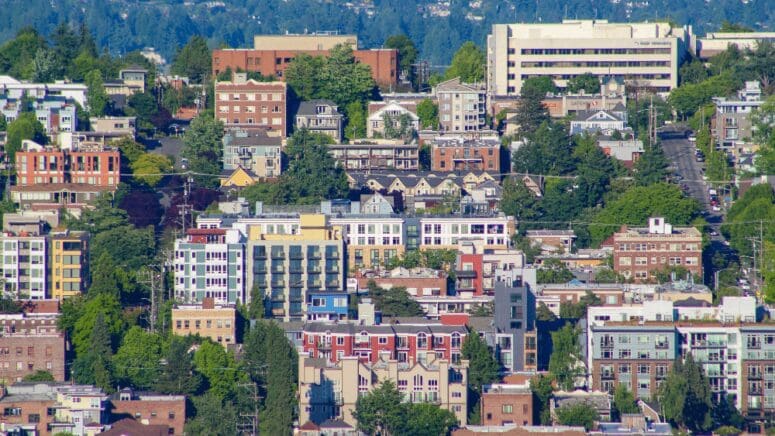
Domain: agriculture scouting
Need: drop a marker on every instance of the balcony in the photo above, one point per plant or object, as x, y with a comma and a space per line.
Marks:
278, 283
313, 255
296, 269
259, 255
296, 255
332, 285
278, 270
324, 346
278, 255
754, 375
607, 375
332, 255
332, 269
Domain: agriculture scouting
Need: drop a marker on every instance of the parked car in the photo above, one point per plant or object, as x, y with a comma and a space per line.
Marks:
713, 233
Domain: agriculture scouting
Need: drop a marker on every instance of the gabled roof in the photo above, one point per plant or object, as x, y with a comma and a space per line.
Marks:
455, 85
597, 115
393, 106
308, 107
334, 424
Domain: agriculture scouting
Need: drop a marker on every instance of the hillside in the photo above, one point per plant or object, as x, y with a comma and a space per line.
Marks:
437, 27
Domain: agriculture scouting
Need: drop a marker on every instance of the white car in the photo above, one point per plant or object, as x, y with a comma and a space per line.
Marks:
716, 208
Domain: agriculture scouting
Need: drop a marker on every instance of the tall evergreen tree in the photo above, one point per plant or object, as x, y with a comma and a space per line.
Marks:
564, 362
178, 376
94, 366
483, 369
531, 112
685, 396
651, 167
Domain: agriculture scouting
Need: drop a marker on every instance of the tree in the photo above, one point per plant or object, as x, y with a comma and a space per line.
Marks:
212, 416
652, 166
685, 396
219, 368
193, 60
519, 201
312, 174
303, 76
203, 148
594, 171
93, 366
468, 64
428, 112
25, 126
483, 369
381, 411
394, 301
39, 376
96, 97
137, 362
256, 307
728, 27
150, 167
45, 66
693, 71
542, 387
725, 413
543, 313
553, 271
548, 151
407, 55
579, 310
688, 98
764, 134
356, 121
579, 414
103, 306
424, 419
587, 82
178, 375
531, 112
538, 85
143, 106
3, 123
624, 401
564, 362
344, 80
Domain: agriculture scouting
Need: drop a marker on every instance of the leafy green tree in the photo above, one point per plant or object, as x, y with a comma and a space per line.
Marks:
764, 134
130, 149
129, 248
579, 310
553, 271
17, 55
531, 113
424, 419
203, 148
693, 72
356, 121
750, 215
542, 387
25, 126
3, 123
381, 411
607, 275
193, 60
39, 376
212, 416
96, 97
344, 80
728, 27
394, 301
549, 150
407, 55
105, 306
579, 414
543, 313
520, 202
137, 362
624, 401
428, 112
768, 272
688, 98
468, 63
303, 76
538, 86
594, 171
312, 173
564, 362
725, 413
483, 369
256, 307
587, 82
178, 375
150, 167
685, 396
45, 66
143, 106
652, 166
93, 365
220, 369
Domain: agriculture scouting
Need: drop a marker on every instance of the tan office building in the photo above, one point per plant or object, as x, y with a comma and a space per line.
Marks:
645, 55
207, 320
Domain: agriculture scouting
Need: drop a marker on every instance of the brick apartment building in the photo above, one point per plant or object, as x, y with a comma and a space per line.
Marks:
272, 54
85, 164
403, 342
459, 154
640, 252
31, 342
505, 404
417, 281
244, 102
53, 408
150, 409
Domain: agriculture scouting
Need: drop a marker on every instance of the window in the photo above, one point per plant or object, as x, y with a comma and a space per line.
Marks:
507, 408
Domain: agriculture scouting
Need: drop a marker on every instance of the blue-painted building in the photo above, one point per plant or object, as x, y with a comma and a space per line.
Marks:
327, 305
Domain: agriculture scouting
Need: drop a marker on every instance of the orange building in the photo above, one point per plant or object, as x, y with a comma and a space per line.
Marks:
272, 54
93, 165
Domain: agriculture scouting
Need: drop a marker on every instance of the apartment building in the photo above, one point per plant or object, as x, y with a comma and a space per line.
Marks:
418, 282
514, 332
209, 320
716, 42
271, 55
408, 341
16, 89
119, 126
458, 154
94, 165
69, 270
640, 252
493, 230
255, 150
372, 240
55, 113
210, 263
462, 107
51, 408
384, 155
245, 102
552, 240
732, 125
477, 267
321, 116
287, 262
330, 391
24, 264
31, 342
507, 404
149, 408
646, 55
390, 114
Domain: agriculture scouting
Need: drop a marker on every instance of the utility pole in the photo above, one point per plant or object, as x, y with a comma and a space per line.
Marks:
151, 281
247, 423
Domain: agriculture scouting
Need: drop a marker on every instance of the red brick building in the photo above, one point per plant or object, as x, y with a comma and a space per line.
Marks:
247, 103
383, 62
458, 154
150, 409
403, 342
30, 343
93, 165
417, 281
640, 253
504, 404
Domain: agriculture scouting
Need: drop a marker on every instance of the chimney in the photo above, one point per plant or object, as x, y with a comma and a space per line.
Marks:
208, 303
240, 77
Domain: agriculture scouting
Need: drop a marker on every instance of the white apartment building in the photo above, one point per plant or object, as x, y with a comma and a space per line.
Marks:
643, 54
447, 231
462, 107
24, 266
